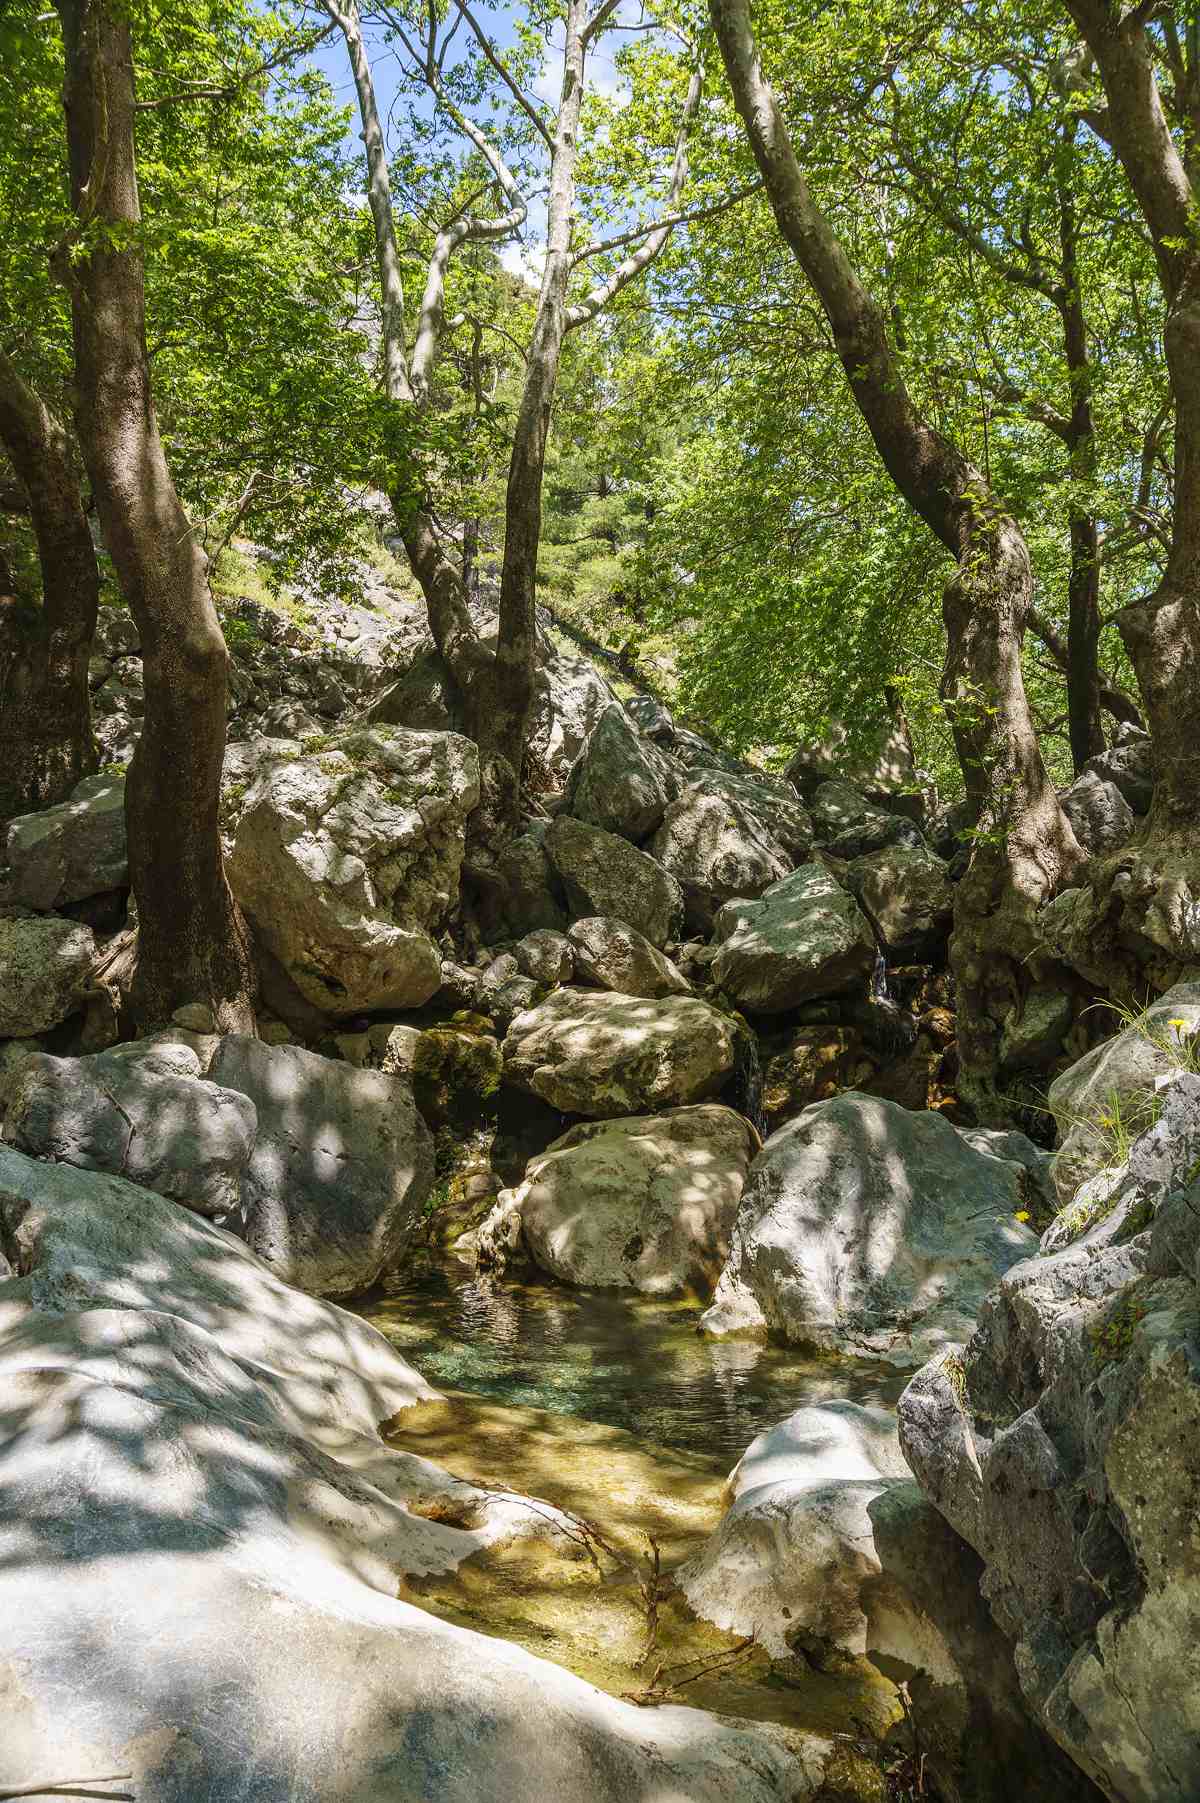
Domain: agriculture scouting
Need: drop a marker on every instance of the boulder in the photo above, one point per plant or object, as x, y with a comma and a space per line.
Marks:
1129, 767
202, 1535
45, 963
719, 839
532, 891
651, 718
602, 1055
906, 893
604, 874
341, 1168
804, 937
871, 1230
141, 1111
1111, 1089
621, 781
1101, 817
881, 766
788, 1563
1062, 1442
545, 955
69, 852
644, 1204
614, 956
847, 825
697, 753
347, 859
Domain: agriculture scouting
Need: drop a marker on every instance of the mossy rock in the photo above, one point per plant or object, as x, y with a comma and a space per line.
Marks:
456, 1077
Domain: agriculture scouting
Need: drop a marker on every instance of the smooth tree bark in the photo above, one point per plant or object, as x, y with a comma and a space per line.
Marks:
46, 743
192, 942
496, 684
1023, 847
1162, 631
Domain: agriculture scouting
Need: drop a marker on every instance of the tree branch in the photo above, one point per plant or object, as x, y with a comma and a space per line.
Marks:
668, 219
515, 89
641, 258
227, 90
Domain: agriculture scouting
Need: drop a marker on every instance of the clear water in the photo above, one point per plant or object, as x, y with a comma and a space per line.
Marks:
608, 1356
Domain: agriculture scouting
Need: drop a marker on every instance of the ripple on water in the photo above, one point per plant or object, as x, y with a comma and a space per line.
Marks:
609, 1356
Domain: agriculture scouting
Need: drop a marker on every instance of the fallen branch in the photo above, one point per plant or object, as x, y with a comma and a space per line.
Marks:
74, 1787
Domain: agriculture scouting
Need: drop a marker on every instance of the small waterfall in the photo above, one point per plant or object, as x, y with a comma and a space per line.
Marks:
745, 1087
886, 1024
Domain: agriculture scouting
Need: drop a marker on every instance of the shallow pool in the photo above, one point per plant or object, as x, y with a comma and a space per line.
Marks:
608, 1356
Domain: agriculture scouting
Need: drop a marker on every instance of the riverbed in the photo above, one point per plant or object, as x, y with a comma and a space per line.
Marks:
613, 1407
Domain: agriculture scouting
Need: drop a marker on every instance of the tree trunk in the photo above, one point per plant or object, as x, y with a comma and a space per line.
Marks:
1083, 584
192, 941
1023, 847
46, 742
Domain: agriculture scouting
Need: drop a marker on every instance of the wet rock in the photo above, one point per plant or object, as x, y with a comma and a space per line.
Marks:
614, 956
804, 937
820, 1062
602, 1055
346, 860
45, 962
645, 1203
67, 853
867, 1229
605, 875
790, 1559
341, 1167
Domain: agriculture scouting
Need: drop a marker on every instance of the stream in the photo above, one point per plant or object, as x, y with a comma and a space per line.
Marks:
612, 1406
609, 1356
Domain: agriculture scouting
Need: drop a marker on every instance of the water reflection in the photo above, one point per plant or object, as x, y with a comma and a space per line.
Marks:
608, 1356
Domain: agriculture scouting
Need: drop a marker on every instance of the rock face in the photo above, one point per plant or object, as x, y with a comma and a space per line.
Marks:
788, 1563
194, 1491
718, 845
1129, 766
44, 963
906, 892
1116, 1078
142, 1112
67, 853
604, 874
804, 937
1063, 1443
1098, 811
604, 1055
929, 1628
621, 782
645, 1204
867, 1229
347, 858
341, 1167
612, 955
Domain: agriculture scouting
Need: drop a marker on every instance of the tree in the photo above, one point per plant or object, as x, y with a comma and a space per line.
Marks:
192, 942
46, 742
1024, 848
496, 684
